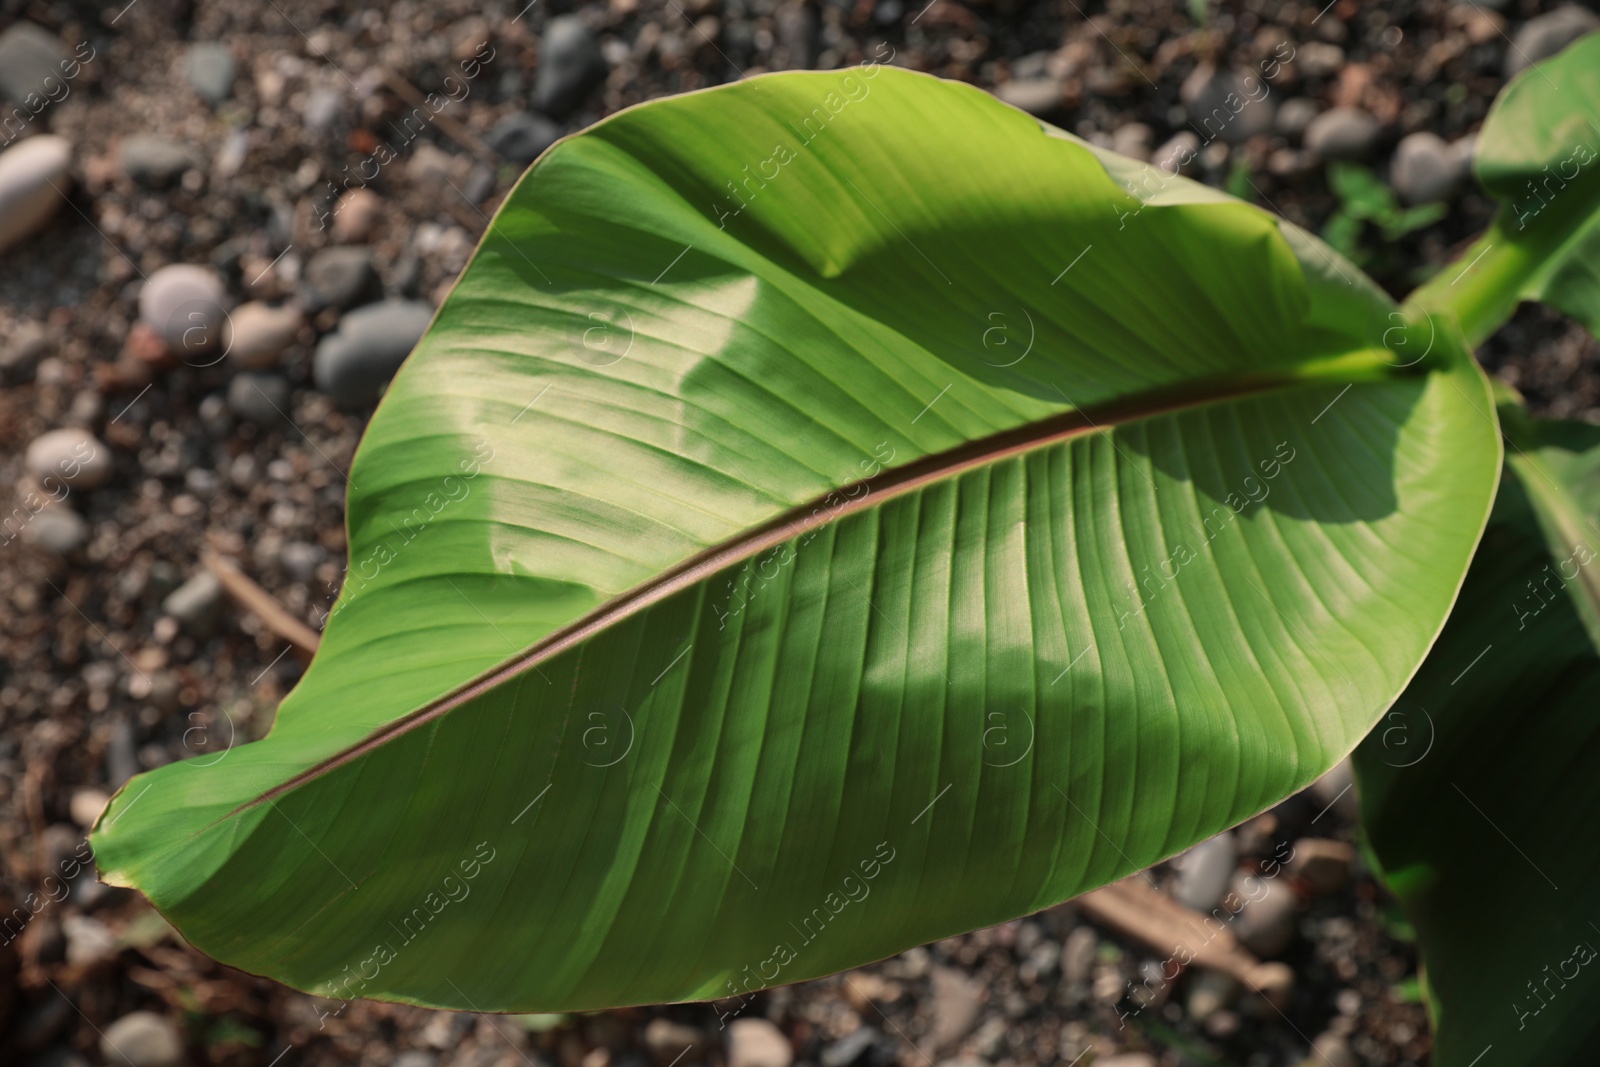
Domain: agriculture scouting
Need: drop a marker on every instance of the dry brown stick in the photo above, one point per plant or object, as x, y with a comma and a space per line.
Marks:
256, 599
1143, 912
453, 129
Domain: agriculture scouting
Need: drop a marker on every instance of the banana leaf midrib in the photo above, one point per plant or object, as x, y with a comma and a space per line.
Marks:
1370, 364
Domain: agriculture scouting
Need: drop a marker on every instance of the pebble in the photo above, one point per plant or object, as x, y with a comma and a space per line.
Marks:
354, 215
1036, 96
155, 162
196, 604
1041, 962
1210, 992
795, 23
1205, 871
187, 306
1318, 59
142, 1039
259, 398
257, 333
1133, 139
122, 754
88, 940
991, 1036
1078, 954
479, 184
29, 54
914, 963
757, 1043
1274, 981
322, 109
162, 579
1127, 1059
71, 455
1178, 155
1326, 864
1266, 923
337, 277
355, 363
955, 1007
522, 135
1295, 115
300, 560
31, 173
570, 65
1544, 35
1337, 789
230, 157
1425, 167
1226, 104
865, 1046
1329, 1049
58, 530
210, 68
1344, 133
666, 1040
416, 1058
59, 841
430, 165
1286, 162
21, 351
144, 350
86, 806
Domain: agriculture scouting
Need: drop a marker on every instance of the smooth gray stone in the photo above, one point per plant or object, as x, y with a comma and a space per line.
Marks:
210, 68
522, 135
156, 162
29, 54
355, 363
570, 66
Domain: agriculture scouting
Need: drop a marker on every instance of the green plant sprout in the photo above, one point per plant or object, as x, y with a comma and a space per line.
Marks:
1363, 198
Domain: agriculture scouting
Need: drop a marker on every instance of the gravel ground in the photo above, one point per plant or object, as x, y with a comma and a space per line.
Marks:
217, 133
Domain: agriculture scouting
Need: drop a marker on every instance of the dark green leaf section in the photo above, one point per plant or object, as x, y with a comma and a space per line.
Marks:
856, 514
1539, 154
1481, 787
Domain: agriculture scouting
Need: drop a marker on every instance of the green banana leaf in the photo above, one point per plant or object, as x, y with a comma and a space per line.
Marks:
1539, 155
1479, 789
831, 512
